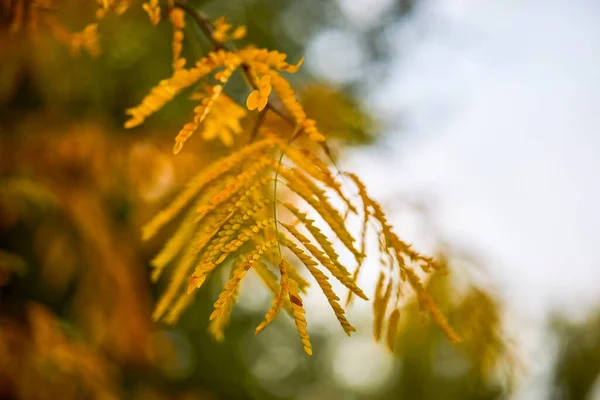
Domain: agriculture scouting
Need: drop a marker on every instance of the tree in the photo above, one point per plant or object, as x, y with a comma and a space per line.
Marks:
266, 200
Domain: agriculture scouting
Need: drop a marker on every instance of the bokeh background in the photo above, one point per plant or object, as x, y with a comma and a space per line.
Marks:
473, 122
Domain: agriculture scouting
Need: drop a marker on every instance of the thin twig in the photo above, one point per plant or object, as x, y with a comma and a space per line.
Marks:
258, 123
202, 21
275, 202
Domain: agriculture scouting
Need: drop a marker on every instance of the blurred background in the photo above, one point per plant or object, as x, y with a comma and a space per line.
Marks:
473, 122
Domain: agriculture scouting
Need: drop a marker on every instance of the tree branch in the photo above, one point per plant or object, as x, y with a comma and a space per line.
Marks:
208, 28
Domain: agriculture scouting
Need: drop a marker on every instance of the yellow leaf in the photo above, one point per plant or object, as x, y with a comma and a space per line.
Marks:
262, 102
239, 32
252, 101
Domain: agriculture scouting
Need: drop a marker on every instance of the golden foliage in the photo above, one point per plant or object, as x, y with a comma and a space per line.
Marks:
177, 18
201, 181
152, 8
41, 358
221, 33
400, 253
298, 312
278, 300
261, 66
37, 19
258, 99
229, 193
321, 279
118, 6
86, 39
481, 323
223, 123
475, 312
229, 218
79, 248
216, 126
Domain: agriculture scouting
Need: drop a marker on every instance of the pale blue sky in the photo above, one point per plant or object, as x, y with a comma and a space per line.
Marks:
496, 108
501, 103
